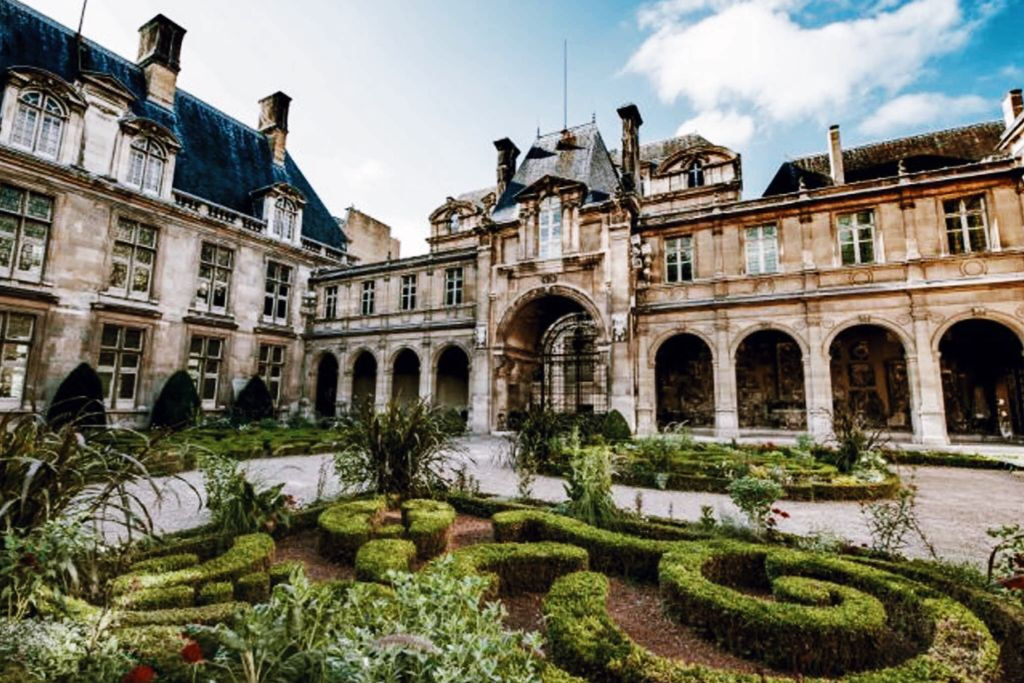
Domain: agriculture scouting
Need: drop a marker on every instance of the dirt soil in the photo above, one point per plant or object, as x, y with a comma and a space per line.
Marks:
302, 547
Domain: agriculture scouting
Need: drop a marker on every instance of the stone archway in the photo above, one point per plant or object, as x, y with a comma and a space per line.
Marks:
326, 385
452, 381
868, 365
405, 377
364, 379
982, 380
770, 382
684, 382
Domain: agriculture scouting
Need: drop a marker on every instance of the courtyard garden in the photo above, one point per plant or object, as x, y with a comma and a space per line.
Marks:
412, 574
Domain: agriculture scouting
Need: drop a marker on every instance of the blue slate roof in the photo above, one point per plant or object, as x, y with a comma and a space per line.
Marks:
221, 159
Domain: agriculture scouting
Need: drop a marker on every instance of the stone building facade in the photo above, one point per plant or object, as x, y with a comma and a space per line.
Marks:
143, 231
885, 278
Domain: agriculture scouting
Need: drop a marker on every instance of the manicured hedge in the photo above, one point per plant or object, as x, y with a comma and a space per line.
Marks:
165, 563
484, 505
157, 598
941, 459
253, 588
207, 614
345, 527
202, 544
379, 556
249, 553
282, 572
216, 592
427, 524
610, 552
515, 568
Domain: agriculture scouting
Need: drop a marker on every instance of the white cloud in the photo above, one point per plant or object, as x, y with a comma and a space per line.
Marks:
915, 109
727, 128
753, 55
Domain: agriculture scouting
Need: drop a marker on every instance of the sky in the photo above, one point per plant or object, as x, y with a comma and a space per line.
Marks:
396, 103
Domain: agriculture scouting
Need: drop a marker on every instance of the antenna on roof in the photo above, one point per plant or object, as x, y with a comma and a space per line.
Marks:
78, 36
565, 83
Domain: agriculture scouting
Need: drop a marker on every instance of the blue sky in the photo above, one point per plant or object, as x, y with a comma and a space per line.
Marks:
396, 103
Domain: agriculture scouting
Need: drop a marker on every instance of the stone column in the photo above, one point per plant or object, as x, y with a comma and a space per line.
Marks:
647, 391
818, 381
426, 371
480, 357
384, 379
724, 369
620, 361
930, 426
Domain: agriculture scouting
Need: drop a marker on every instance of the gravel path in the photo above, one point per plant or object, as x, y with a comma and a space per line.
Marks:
955, 506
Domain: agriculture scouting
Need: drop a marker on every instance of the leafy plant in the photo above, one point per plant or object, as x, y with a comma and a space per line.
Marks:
853, 437
755, 497
523, 461
78, 400
178, 405
236, 505
68, 650
405, 449
1006, 561
589, 485
890, 522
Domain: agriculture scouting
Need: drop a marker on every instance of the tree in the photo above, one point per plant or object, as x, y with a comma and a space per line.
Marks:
79, 400
178, 404
253, 402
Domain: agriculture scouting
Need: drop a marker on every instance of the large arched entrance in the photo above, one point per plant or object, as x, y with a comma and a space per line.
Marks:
364, 379
452, 388
869, 377
553, 358
405, 377
326, 385
982, 380
684, 382
770, 382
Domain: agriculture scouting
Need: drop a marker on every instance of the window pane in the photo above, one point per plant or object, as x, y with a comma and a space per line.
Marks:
110, 335
196, 345
209, 389
867, 251
213, 348
973, 203
127, 387
40, 206
8, 225
125, 230
847, 252
979, 242
10, 198
140, 280
224, 258
154, 174
206, 253
136, 164
24, 127
956, 242
19, 326
49, 137
107, 359
129, 360
220, 296
132, 338
147, 236
105, 381
6, 251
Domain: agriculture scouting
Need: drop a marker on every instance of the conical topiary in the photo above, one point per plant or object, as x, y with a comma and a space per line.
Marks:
253, 402
615, 427
78, 400
178, 404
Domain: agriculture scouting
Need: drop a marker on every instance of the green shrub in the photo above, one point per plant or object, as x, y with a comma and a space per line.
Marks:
253, 588
217, 613
178, 404
235, 504
589, 487
165, 563
216, 592
78, 400
615, 428
755, 497
376, 558
513, 568
389, 531
345, 527
282, 571
253, 403
157, 598
428, 523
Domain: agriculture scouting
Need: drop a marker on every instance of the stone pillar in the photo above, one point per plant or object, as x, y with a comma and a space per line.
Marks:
818, 382
930, 425
647, 392
384, 379
426, 372
724, 369
620, 361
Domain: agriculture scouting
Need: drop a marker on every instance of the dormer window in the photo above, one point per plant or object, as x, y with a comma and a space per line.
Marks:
550, 228
454, 223
146, 167
286, 216
695, 174
39, 124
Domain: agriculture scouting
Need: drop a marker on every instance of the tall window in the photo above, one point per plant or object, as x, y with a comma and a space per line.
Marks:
366, 301
695, 174
286, 215
453, 286
25, 219
39, 124
276, 291
118, 368
550, 222
204, 358
15, 341
857, 237
762, 250
131, 272
679, 259
146, 165
215, 265
271, 368
331, 302
966, 227
454, 224
407, 298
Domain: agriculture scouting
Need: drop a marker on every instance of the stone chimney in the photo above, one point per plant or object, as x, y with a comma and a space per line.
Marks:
631, 122
274, 122
1013, 106
159, 55
507, 155
835, 156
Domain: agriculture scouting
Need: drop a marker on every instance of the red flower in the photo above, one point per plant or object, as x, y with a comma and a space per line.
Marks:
142, 673
781, 513
192, 653
1014, 583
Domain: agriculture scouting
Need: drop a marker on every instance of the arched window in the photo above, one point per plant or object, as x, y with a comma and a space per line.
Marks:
286, 215
695, 174
39, 124
146, 168
454, 224
550, 224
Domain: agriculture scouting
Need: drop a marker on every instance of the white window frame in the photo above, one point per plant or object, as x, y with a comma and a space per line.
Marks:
760, 259
216, 266
131, 251
147, 161
407, 293
330, 302
270, 366
47, 112
367, 298
286, 219
695, 174
960, 219
15, 357
25, 227
205, 366
549, 228
277, 292
453, 286
679, 256
850, 231
119, 361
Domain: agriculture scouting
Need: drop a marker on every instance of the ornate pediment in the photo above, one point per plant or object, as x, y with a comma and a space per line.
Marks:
139, 125
33, 77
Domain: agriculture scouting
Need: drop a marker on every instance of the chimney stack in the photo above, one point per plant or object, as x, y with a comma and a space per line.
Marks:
631, 122
835, 156
1013, 106
274, 122
159, 56
507, 155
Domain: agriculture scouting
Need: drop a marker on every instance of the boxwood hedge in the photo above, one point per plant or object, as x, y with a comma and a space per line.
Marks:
379, 556
253, 588
427, 524
346, 526
515, 568
218, 591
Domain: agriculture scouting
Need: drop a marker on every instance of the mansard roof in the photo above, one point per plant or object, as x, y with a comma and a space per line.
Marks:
221, 160
924, 152
577, 155
658, 151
